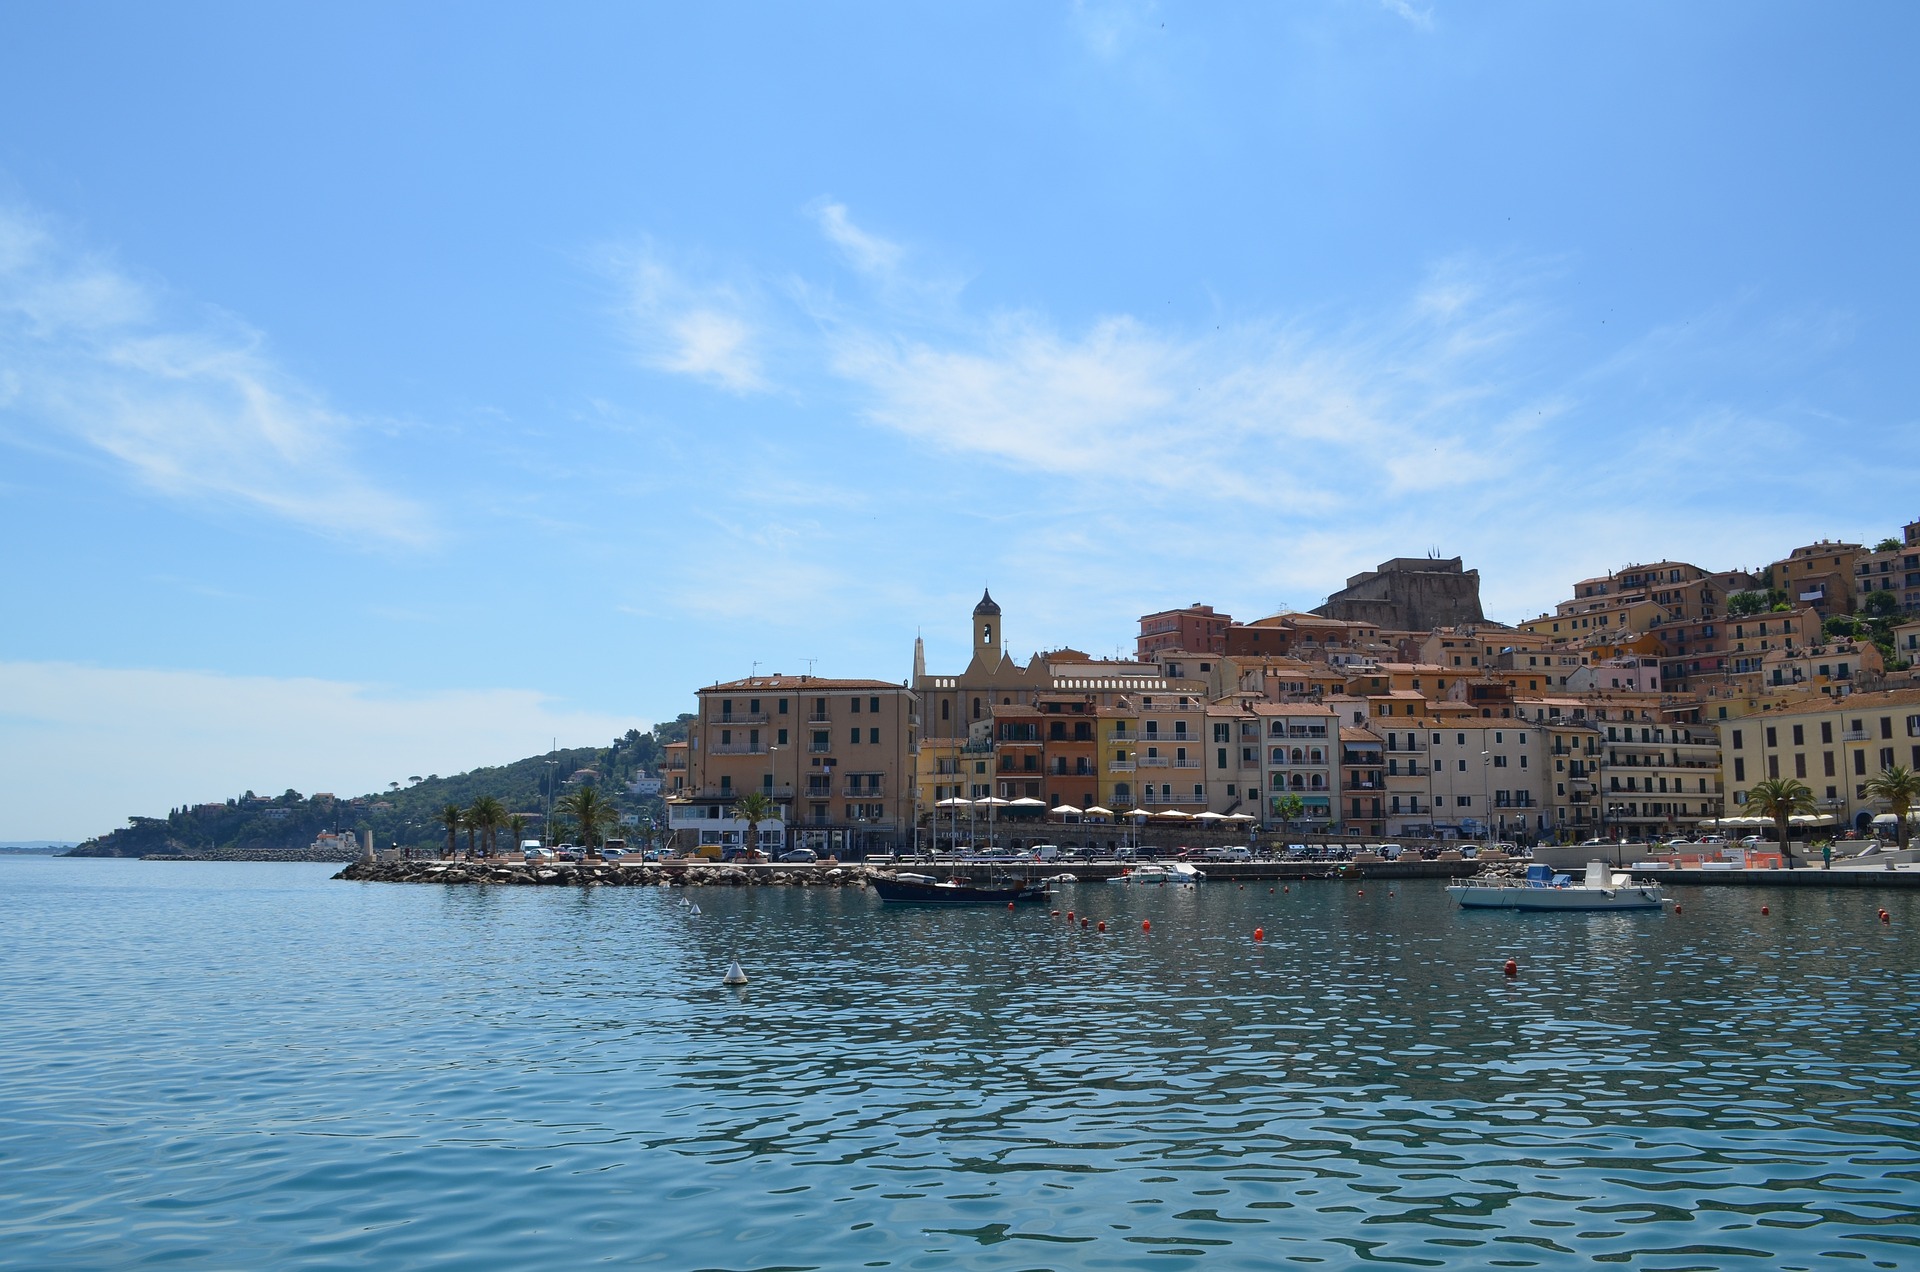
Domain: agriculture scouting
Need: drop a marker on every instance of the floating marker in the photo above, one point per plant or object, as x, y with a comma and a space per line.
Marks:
1259, 934
1103, 925
1009, 905
1511, 969
1069, 916
1053, 914
736, 975
1885, 917
1764, 910
1146, 925
1083, 924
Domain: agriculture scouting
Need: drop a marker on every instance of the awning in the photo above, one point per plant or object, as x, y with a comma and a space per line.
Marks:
955, 802
1174, 814
1026, 801
1065, 810
1097, 811
1209, 817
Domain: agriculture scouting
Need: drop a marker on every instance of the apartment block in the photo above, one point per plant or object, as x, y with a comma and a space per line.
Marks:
1832, 746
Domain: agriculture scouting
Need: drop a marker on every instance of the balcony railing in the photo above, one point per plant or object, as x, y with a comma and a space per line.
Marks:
738, 748
743, 717
1411, 744
862, 792
1119, 766
819, 717
819, 748
1125, 735
1154, 761
1186, 764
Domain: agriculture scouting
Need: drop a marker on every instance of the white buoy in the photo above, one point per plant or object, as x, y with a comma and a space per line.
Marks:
694, 910
735, 974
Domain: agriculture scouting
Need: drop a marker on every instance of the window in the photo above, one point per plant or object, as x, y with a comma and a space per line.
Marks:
855, 739
1772, 738
1826, 732
1826, 762
1220, 758
1736, 739
1799, 737
945, 704
1799, 765
873, 736
1463, 766
856, 706
1739, 770
1499, 761
1886, 726
1860, 763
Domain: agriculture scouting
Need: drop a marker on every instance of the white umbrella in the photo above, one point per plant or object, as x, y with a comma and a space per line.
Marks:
1097, 811
1241, 817
955, 802
1026, 801
1138, 812
991, 801
1065, 810
1175, 814
1209, 817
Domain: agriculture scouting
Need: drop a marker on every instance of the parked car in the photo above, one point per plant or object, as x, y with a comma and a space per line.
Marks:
799, 855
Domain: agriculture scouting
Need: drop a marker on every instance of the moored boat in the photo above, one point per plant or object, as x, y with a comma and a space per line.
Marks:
1176, 873
920, 889
1542, 889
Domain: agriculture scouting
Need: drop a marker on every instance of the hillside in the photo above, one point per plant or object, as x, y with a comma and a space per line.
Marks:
406, 813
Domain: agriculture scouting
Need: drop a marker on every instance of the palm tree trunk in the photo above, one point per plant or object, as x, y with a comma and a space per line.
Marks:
1786, 849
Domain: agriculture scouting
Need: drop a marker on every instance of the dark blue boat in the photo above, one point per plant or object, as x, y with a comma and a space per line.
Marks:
916, 889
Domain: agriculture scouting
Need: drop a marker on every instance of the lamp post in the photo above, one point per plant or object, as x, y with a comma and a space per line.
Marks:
772, 787
547, 828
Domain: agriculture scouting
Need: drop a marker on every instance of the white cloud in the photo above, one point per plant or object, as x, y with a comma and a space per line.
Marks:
674, 325
1414, 14
191, 407
1276, 413
171, 737
866, 252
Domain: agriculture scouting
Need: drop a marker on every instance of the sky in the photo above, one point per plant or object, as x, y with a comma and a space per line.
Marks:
393, 388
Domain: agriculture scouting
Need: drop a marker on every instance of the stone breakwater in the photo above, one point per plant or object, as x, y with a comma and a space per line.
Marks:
596, 874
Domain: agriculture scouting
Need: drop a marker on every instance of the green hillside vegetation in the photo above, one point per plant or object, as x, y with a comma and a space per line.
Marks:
408, 811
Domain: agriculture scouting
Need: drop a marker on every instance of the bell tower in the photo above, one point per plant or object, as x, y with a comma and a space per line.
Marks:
986, 628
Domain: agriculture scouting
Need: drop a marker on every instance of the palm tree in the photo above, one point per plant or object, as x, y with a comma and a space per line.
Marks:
589, 810
518, 825
468, 824
489, 814
753, 807
451, 817
1899, 787
1780, 798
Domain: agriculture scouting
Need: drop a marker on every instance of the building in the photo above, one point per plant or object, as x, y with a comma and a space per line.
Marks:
1820, 576
1299, 745
1193, 630
837, 758
1363, 785
1896, 570
1409, 594
1834, 746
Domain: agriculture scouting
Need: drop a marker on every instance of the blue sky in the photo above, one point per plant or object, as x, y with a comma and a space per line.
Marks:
388, 389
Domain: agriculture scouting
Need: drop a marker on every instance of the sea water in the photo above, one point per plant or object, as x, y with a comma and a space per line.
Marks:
251, 1066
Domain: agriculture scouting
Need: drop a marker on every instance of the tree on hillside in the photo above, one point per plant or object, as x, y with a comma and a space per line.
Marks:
1899, 788
1743, 603
488, 815
451, 816
1888, 545
1882, 604
1781, 798
753, 808
589, 811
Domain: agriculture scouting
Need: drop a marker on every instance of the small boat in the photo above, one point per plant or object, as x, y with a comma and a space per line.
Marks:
920, 889
1177, 873
1542, 889
1063, 877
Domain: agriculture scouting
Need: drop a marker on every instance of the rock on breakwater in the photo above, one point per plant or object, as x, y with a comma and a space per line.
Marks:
592, 874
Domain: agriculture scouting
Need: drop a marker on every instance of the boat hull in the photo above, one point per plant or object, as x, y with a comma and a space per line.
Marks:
1480, 897
900, 892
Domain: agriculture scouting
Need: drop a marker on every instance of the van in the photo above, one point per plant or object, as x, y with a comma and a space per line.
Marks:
1229, 853
1125, 854
1046, 852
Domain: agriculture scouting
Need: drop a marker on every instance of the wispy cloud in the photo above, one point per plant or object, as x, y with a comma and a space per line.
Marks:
161, 733
188, 402
687, 328
1413, 13
865, 251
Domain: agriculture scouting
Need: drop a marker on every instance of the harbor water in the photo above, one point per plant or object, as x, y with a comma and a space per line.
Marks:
248, 1065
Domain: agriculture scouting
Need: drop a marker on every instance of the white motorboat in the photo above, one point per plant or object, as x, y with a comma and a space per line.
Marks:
1177, 872
1541, 889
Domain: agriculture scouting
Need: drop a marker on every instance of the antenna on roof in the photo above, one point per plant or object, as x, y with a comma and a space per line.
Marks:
809, 662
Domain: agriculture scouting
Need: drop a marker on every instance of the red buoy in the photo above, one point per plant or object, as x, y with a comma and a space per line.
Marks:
1102, 925
1288, 888
1269, 891
1676, 907
1054, 914
1363, 892
1083, 923
1009, 905
1146, 925
1885, 917
1764, 910
1512, 968
1259, 934
1069, 916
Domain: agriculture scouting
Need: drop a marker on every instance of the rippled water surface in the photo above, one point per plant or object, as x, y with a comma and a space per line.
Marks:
250, 1065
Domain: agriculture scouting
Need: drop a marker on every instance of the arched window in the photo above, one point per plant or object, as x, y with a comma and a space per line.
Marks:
946, 705
976, 708
1122, 793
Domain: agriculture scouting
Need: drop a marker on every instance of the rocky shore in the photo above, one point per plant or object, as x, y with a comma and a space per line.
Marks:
601, 874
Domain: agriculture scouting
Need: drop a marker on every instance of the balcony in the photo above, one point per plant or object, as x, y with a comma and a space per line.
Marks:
862, 792
1411, 744
1155, 761
1364, 786
737, 748
1125, 735
819, 748
742, 717
1854, 735
1186, 764
1119, 766
1411, 770
1164, 801
819, 717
